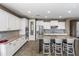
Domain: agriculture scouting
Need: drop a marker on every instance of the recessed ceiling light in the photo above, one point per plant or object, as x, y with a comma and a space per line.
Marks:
45, 16
60, 16
69, 11
48, 11
29, 11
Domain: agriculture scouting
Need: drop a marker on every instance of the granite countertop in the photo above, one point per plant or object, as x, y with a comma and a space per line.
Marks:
55, 33
11, 39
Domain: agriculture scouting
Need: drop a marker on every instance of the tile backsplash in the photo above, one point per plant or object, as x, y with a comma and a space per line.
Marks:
6, 35
54, 31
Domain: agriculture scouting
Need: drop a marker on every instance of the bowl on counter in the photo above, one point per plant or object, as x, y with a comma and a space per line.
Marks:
3, 41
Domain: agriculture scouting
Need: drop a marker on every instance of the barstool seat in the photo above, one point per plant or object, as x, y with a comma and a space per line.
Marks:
70, 47
58, 47
46, 46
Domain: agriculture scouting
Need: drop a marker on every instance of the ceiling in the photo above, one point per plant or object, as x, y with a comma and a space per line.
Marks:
45, 10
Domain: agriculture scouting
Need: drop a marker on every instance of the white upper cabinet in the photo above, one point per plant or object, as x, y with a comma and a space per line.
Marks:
8, 21
14, 22
61, 25
54, 23
3, 20
46, 25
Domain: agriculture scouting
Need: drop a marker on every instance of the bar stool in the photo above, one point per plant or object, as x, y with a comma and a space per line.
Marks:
52, 47
58, 47
46, 47
64, 47
70, 47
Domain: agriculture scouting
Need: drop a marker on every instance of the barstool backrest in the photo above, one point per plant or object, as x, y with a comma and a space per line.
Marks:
46, 40
58, 40
70, 40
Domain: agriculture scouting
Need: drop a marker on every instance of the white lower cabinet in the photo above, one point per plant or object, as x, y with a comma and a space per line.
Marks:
10, 48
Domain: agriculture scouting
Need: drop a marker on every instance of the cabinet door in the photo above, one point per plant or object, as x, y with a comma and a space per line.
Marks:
9, 49
17, 23
23, 39
61, 25
18, 43
12, 23
14, 44
54, 23
23, 26
3, 21
8, 21
47, 25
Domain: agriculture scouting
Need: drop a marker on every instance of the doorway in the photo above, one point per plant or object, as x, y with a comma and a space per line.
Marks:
73, 27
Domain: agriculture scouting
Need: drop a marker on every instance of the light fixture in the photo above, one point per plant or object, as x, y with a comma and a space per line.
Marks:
29, 11
69, 11
48, 12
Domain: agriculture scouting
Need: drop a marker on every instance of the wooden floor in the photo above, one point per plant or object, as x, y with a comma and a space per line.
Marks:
29, 49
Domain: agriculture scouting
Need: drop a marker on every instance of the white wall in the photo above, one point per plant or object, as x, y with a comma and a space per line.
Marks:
3, 20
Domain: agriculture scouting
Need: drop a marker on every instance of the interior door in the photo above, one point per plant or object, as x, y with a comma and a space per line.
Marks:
73, 28
32, 29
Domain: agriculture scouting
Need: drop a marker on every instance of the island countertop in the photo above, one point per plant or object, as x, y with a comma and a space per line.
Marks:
54, 34
11, 39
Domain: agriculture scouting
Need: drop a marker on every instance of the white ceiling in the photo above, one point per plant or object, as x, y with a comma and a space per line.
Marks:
40, 10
